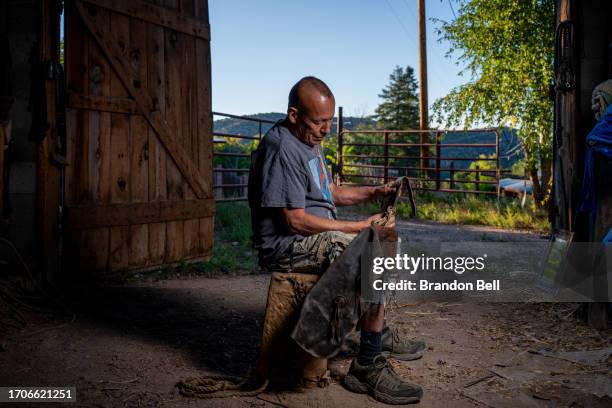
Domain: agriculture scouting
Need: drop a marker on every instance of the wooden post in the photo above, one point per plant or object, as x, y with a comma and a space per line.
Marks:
2, 142
423, 111
497, 170
452, 175
218, 180
47, 175
477, 178
386, 134
438, 150
339, 125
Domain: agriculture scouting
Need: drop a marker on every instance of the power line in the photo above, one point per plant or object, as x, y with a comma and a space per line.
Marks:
399, 20
452, 9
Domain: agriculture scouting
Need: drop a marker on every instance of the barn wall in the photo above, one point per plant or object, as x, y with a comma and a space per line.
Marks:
18, 23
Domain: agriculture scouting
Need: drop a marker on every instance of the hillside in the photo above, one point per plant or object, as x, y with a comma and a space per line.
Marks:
508, 137
249, 128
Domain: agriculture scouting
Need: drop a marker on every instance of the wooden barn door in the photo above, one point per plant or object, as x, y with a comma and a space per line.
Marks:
139, 122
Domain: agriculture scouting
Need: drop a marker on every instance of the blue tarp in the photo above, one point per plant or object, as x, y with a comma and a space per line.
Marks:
599, 145
516, 186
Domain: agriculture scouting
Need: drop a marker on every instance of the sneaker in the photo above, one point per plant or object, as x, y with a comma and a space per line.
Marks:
380, 380
394, 346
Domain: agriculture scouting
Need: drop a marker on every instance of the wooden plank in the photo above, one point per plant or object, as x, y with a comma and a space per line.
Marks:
202, 11
160, 16
119, 35
204, 126
120, 169
139, 160
3, 130
144, 102
119, 237
174, 241
186, 7
85, 216
188, 122
103, 104
94, 243
157, 154
78, 58
206, 236
173, 50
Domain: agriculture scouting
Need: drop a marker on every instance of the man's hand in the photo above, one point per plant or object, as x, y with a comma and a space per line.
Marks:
374, 218
377, 217
390, 221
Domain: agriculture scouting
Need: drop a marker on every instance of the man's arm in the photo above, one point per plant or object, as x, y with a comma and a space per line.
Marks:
302, 223
355, 195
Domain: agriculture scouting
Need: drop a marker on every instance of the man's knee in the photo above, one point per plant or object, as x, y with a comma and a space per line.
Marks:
339, 238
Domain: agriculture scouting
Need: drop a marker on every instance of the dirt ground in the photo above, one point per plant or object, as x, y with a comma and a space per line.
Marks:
129, 344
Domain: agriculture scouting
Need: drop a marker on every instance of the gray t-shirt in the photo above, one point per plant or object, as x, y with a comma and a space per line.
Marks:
285, 173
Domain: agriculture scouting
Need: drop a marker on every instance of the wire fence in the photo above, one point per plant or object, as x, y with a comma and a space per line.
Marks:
378, 156
231, 168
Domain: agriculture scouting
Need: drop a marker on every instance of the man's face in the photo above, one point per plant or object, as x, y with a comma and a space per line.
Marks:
313, 120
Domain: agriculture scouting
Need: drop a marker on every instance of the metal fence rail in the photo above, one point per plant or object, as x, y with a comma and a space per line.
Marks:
377, 160
230, 183
425, 167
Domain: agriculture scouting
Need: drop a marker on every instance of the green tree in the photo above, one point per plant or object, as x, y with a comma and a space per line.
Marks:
400, 106
507, 47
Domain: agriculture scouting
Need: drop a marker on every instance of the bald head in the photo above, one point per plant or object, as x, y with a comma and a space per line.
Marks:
311, 110
306, 90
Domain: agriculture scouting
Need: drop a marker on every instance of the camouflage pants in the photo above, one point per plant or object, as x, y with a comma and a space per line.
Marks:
313, 254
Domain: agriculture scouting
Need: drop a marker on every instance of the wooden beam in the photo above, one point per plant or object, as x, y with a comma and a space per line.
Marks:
102, 103
3, 129
114, 215
424, 101
144, 102
161, 16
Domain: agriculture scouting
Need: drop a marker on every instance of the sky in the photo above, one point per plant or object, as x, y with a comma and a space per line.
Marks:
259, 49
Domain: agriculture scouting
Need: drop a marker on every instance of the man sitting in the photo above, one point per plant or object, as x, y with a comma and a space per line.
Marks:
293, 209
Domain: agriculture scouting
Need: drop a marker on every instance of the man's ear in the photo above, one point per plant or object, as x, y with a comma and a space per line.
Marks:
292, 115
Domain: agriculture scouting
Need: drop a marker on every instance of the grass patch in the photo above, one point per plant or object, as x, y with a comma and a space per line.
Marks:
470, 210
232, 251
474, 210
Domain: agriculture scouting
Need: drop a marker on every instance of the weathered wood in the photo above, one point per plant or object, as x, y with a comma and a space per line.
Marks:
119, 237
3, 130
140, 103
139, 160
94, 243
206, 236
143, 100
423, 100
114, 215
157, 15
103, 104
187, 8
204, 123
173, 48
157, 154
121, 140
78, 54
188, 121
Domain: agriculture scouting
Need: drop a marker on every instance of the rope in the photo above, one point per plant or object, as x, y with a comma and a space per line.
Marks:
219, 386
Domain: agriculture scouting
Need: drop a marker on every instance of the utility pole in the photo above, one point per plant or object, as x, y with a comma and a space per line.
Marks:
423, 106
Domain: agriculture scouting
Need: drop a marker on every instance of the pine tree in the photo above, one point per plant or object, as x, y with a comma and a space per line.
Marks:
400, 107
